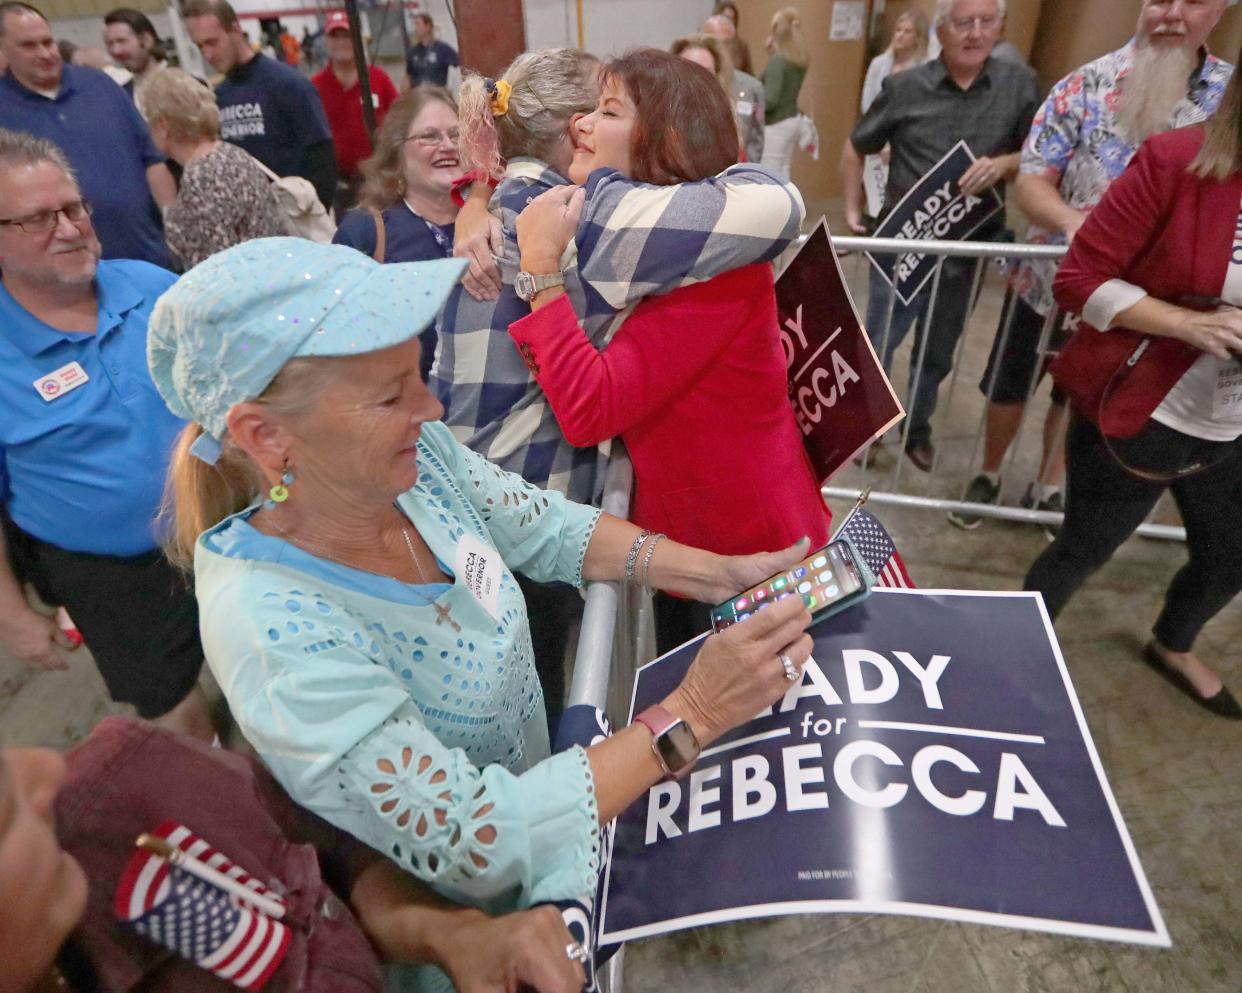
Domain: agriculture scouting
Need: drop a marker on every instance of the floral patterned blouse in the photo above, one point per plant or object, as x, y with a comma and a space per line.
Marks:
225, 199
1074, 142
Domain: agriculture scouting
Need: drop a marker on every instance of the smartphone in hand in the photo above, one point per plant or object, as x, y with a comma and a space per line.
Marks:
828, 578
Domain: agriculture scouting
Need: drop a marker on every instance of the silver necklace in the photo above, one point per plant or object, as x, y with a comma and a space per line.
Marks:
443, 611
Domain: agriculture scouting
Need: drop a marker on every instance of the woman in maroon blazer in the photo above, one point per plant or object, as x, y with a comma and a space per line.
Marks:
1162, 256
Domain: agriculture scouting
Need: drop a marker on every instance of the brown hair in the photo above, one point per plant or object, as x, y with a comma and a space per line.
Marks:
1221, 154
221, 10
549, 87
383, 182
198, 496
684, 130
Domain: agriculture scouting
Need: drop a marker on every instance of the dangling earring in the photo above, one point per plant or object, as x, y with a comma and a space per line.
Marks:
280, 492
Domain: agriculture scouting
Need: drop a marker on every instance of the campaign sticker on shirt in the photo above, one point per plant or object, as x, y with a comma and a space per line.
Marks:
65, 379
480, 568
1227, 401
745, 108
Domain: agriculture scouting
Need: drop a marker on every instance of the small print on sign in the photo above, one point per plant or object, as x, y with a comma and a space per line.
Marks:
55, 385
480, 568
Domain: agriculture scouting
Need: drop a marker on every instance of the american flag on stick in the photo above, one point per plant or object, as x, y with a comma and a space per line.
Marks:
201, 922
876, 547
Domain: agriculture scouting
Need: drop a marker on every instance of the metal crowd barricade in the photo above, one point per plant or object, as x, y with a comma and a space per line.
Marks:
944, 488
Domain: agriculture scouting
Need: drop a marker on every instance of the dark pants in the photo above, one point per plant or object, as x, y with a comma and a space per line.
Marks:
1104, 504
551, 609
136, 613
948, 318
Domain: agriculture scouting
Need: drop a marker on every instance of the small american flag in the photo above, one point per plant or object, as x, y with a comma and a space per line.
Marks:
877, 549
201, 922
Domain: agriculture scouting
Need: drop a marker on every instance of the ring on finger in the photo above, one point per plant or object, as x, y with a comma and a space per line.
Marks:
575, 951
791, 670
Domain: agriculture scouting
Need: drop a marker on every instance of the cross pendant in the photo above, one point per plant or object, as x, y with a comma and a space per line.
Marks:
443, 613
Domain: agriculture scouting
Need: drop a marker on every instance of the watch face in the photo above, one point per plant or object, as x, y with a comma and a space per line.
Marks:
678, 746
524, 285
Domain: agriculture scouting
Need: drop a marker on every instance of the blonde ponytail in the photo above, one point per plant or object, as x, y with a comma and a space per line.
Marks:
198, 496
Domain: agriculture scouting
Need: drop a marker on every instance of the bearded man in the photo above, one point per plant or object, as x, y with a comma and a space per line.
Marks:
1082, 138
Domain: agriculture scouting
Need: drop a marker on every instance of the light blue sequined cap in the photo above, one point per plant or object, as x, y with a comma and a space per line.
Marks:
223, 331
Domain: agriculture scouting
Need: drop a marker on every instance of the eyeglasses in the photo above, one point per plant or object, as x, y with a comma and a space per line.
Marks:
430, 139
964, 24
43, 221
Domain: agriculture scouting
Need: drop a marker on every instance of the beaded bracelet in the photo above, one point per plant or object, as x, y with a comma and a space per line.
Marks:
632, 558
651, 547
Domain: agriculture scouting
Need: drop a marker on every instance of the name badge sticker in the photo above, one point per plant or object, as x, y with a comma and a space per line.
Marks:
1227, 401
480, 568
64, 380
745, 108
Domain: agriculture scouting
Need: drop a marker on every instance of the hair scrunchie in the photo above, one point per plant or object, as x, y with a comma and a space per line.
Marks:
499, 90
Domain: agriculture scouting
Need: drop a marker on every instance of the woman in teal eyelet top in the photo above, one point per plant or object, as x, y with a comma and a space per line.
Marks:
366, 628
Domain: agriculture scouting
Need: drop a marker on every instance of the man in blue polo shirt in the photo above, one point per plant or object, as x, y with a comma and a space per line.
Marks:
94, 123
428, 61
266, 107
84, 445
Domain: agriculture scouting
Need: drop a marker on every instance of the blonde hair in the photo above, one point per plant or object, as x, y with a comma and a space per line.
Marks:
383, 173
549, 87
718, 52
787, 37
181, 103
1221, 154
198, 495
922, 31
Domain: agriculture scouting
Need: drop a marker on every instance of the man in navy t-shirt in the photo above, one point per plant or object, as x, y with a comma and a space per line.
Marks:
93, 121
428, 60
268, 108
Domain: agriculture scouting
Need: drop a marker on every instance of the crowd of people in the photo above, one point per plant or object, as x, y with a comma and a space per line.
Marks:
362, 479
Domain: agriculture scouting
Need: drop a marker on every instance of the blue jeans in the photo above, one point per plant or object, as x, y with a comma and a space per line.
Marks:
952, 309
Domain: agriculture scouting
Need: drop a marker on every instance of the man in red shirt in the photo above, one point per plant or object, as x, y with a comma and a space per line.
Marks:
341, 93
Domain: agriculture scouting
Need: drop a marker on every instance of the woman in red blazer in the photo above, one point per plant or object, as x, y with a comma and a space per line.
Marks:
1160, 255
694, 381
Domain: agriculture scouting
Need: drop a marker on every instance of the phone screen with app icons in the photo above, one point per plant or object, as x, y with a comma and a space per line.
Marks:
822, 579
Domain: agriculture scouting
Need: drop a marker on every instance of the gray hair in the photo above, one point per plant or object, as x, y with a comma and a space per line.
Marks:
185, 106
549, 86
17, 149
945, 7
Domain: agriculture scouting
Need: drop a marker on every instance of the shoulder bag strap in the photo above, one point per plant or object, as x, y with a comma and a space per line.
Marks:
381, 236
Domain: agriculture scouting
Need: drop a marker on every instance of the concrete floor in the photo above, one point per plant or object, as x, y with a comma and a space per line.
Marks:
1173, 767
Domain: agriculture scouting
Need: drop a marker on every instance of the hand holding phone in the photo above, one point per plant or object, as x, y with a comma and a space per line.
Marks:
827, 579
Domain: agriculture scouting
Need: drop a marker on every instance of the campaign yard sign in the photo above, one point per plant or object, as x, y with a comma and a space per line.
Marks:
841, 398
933, 760
936, 208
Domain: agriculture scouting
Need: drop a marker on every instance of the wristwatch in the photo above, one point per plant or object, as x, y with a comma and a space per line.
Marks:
673, 742
527, 284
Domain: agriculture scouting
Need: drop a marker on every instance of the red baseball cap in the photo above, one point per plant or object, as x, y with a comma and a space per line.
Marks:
336, 20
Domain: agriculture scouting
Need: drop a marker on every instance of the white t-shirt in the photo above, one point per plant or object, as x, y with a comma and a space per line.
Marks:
1207, 401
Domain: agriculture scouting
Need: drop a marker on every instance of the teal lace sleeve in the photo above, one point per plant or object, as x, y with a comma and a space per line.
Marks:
480, 836
537, 532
